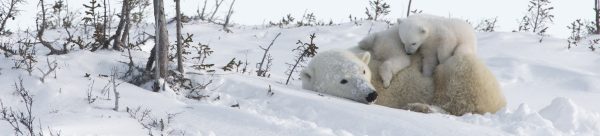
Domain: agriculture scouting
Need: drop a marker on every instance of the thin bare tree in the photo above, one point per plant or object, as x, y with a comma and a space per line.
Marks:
179, 36
125, 35
160, 50
408, 10
118, 42
597, 16
217, 5
105, 42
201, 15
263, 70
228, 17
41, 28
9, 11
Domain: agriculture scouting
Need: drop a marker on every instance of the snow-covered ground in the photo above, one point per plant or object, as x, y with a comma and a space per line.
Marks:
550, 90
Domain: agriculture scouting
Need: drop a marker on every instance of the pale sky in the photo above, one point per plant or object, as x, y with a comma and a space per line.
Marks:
257, 12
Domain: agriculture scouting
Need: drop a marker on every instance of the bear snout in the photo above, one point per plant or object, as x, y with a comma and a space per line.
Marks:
409, 51
371, 97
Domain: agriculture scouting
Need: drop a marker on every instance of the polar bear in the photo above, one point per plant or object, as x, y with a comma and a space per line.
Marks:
437, 37
464, 84
340, 73
461, 85
386, 47
407, 86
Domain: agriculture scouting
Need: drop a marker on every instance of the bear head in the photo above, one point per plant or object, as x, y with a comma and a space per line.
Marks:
413, 32
340, 73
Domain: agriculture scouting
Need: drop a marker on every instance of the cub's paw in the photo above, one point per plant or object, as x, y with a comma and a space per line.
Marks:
387, 79
418, 107
424, 108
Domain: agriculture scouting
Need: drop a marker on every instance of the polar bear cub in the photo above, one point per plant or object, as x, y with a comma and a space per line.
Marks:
437, 37
387, 48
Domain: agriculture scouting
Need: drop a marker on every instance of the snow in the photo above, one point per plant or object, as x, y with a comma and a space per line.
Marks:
550, 90
561, 117
566, 116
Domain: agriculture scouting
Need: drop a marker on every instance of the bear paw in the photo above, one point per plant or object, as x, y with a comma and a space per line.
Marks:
386, 73
387, 79
418, 107
423, 108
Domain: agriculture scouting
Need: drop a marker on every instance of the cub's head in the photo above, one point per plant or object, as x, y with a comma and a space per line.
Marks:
413, 33
340, 73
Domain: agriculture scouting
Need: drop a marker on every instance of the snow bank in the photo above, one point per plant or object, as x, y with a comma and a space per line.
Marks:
561, 117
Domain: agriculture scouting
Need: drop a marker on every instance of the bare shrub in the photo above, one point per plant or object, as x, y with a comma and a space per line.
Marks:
154, 125
201, 15
139, 8
51, 68
61, 16
287, 20
91, 98
230, 65
22, 122
308, 19
27, 57
41, 26
579, 31
186, 43
379, 8
217, 5
228, 18
303, 52
537, 18
113, 81
263, 71
593, 43
8, 11
203, 51
7, 47
576, 33
487, 25
270, 91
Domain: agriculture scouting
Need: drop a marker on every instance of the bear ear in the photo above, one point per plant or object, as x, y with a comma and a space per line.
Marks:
365, 57
306, 74
306, 77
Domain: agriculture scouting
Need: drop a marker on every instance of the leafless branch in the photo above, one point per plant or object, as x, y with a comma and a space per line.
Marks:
51, 68
262, 72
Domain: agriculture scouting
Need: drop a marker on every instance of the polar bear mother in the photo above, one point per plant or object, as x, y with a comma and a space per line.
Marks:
462, 85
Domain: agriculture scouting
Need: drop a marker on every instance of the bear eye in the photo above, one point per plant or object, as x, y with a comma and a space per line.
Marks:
413, 44
344, 81
364, 72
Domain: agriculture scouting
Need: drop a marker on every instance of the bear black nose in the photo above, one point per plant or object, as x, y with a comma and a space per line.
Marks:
408, 53
371, 97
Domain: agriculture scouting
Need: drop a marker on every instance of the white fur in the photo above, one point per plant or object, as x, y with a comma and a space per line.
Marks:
326, 71
462, 85
387, 48
437, 38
